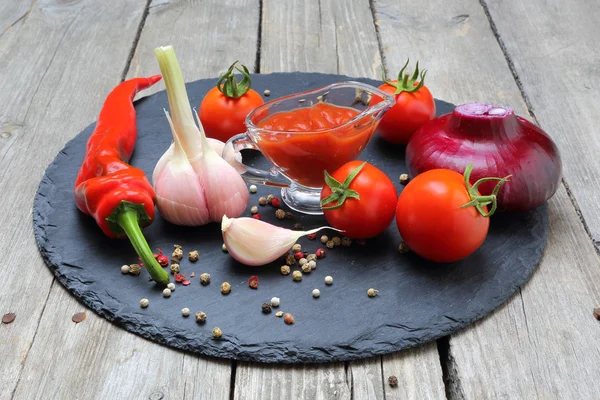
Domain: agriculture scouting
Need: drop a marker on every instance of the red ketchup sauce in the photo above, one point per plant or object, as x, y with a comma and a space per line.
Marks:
309, 140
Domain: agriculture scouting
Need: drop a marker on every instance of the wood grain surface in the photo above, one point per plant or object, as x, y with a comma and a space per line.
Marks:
53, 83
553, 48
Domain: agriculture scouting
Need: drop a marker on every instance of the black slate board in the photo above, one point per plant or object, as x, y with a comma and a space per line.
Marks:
418, 301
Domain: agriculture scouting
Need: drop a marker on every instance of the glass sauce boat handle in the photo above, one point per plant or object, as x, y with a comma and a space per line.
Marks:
232, 153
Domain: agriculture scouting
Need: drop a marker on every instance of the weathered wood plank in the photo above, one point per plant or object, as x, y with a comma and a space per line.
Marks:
544, 341
319, 36
531, 342
207, 37
553, 46
268, 381
365, 378
120, 358
52, 84
97, 360
418, 371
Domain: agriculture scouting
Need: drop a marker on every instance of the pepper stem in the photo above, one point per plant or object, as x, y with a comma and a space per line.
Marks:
127, 219
478, 201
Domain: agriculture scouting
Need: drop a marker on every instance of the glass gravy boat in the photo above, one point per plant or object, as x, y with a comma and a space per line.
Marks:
300, 158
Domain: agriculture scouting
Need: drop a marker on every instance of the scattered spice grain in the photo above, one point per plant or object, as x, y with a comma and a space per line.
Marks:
297, 247
204, 279
262, 201
8, 318
403, 248
306, 268
324, 239
336, 240
372, 292
200, 317
177, 254
225, 288
167, 292
78, 317
135, 269
280, 214
346, 241
328, 280
404, 179
125, 269
253, 282
175, 268
217, 333
288, 319
316, 293
253, 189
185, 312
266, 308
297, 275
393, 381
285, 270
193, 255
330, 244
279, 314
275, 301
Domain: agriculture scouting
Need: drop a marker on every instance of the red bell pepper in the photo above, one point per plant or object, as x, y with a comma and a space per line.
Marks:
117, 195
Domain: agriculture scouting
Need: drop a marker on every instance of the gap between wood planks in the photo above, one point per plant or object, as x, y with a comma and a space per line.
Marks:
531, 112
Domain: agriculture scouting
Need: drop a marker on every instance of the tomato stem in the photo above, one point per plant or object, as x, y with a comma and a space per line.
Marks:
404, 83
478, 201
340, 191
230, 87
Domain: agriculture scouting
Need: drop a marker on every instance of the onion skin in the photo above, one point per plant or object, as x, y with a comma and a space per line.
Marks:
498, 143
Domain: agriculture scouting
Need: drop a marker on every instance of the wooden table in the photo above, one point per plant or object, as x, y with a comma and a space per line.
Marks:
59, 59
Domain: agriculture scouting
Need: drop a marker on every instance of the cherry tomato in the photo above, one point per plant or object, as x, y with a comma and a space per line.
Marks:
367, 196
224, 109
414, 107
431, 221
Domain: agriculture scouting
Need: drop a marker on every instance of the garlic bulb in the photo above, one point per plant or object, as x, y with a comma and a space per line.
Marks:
179, 194
254, 242
193, 183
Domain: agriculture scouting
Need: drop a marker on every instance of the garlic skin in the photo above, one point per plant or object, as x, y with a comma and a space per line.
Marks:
254, 242
233, 158
194, 184
180, 197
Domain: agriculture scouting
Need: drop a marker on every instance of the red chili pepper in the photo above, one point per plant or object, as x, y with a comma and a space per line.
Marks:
117, 195
253, 282
179, 278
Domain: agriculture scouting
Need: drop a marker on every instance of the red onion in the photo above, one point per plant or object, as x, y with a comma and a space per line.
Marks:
498, 143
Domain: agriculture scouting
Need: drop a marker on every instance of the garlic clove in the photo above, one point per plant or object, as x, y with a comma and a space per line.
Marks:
179, 194
254, 242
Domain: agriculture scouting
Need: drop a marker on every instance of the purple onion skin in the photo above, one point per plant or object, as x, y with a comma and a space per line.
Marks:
498, 143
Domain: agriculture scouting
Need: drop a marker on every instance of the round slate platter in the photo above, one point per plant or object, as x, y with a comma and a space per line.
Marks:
418, 301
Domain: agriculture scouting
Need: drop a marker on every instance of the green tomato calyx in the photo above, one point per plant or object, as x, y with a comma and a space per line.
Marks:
478, 201
340, 191
230, 87
406, 83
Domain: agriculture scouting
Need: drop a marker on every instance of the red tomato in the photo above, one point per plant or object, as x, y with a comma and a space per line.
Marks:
369, 215
410, 112
223, 117
432, 224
